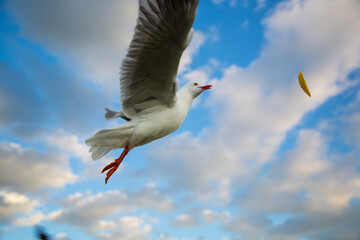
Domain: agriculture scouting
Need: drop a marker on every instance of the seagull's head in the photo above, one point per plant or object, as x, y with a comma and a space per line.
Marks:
195, 88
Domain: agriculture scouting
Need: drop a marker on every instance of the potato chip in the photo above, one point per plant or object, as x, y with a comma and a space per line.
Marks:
303, 84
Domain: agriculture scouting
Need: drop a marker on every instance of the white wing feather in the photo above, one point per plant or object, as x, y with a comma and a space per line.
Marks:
148, 72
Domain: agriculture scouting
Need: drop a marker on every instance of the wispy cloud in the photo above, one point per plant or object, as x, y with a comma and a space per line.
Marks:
90, 37
198, 40
91, 212
12, 203
232, 3
26, 169
260, 4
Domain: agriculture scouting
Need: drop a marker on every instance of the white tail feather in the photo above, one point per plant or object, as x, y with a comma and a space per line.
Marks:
106, 140
98, 152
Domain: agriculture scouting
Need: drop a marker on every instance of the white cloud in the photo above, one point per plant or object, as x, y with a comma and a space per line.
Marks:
91, 35
14, 203
26, 170
17, 209
248, 226
99, 213
104, 225
260, 4
125, 227
325, 184
69, 143
232, 3
73, 146
244, 24
88, 40
33, 219
167, 236
130, 228
350, 120
211, 216
218, 1
197, 41
185, 220
28, 116
61, 235
353, 130
91, 39
254, 109
200, 76
236, 160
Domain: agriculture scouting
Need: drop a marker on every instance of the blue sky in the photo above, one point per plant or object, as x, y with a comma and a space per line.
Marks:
256, 158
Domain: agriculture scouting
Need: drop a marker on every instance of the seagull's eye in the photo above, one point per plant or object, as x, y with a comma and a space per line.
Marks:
195, 84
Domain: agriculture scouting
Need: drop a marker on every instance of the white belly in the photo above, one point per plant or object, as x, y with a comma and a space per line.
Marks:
150, 127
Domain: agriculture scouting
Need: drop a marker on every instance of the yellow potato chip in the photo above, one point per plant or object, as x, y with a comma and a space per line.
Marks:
303, 84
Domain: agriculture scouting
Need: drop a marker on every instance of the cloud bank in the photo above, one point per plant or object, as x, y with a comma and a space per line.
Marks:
261, 169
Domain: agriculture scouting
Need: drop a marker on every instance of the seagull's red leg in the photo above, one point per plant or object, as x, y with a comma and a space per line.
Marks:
114, 165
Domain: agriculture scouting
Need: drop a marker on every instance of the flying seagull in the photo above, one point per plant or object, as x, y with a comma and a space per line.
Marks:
150, 102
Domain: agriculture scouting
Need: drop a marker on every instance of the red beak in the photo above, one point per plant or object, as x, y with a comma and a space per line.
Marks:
206, 87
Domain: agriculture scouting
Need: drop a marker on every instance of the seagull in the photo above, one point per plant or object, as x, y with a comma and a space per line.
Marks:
150, 102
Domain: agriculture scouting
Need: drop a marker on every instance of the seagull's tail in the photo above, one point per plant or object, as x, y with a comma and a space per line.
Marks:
108, 139
110, 114
98, 152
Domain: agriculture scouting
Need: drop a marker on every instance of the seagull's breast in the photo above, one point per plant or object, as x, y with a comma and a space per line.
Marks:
157, 124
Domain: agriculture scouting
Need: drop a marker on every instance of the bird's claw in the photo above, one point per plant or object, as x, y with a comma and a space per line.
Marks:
112, 167
109, 166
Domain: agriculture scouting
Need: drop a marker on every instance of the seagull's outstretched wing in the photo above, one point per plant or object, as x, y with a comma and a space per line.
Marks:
148, 72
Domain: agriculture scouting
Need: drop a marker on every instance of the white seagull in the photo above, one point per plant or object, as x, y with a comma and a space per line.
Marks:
151, 104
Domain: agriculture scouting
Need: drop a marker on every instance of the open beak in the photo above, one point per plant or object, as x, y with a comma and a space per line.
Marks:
206, 87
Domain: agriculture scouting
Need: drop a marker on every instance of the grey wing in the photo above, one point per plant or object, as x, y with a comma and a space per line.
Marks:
148, 72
